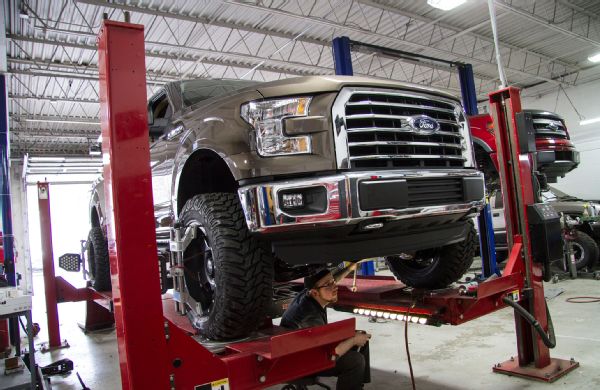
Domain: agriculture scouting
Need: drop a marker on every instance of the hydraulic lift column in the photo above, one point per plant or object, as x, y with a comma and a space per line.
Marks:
516, 160
129, 208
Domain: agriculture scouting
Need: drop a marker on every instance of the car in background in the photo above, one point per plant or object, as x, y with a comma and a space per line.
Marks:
556, 154
582, 219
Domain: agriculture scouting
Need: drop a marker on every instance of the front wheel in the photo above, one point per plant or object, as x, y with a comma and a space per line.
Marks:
225, 269
585, 250
437, 267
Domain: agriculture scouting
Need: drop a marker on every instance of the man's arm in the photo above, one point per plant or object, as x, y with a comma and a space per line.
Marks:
359, 340
341, 274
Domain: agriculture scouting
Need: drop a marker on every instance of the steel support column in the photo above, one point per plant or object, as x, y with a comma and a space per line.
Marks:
141, 328
467, 88
7, 230
487, 246
48, 264
516, 176
342, 57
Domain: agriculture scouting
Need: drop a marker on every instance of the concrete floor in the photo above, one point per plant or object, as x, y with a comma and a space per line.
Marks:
443, 358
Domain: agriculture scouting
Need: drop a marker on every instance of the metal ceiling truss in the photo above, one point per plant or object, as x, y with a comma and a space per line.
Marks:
54, 71
579, 24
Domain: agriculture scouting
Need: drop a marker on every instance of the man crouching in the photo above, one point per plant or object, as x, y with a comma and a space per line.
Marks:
308, 309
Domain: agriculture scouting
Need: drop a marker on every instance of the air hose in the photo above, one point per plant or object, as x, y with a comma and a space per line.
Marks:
549, 339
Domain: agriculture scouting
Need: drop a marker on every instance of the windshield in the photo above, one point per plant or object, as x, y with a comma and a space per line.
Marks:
194, 91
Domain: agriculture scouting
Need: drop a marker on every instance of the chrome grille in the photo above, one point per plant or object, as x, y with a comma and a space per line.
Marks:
379, 134
549, 125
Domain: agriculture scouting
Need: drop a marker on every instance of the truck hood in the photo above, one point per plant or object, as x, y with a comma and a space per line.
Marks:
320, 84
570, 207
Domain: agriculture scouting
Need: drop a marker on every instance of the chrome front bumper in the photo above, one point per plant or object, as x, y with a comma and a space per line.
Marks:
264, 214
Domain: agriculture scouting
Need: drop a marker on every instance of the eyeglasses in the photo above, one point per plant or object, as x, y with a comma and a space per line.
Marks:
328, 285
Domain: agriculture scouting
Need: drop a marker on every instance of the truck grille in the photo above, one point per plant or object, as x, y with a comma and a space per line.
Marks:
549, 125
431, 192
380, 136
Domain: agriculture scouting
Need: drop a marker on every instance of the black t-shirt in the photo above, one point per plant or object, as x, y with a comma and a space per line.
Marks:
304, 312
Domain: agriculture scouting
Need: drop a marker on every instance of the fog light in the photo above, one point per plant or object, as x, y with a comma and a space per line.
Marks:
292, 201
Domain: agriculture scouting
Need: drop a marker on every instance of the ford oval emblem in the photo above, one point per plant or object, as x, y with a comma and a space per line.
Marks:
423, 124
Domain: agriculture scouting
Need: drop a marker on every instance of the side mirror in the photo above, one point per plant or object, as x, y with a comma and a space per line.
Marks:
158, 127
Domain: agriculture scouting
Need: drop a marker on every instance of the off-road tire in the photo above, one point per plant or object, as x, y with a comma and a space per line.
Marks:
448, 264
98, 261
585, 250
242, 269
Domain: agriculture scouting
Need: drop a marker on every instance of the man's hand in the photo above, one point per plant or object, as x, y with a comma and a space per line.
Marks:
361, 338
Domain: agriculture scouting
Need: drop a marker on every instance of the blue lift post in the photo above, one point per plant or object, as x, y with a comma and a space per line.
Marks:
342, 60
487, 245
7, 230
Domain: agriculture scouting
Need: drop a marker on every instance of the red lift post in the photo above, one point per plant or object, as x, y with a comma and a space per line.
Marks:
516, 175
156, 350
50, 291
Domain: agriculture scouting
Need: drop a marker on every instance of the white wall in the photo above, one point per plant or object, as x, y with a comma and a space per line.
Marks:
19, 212
584, 181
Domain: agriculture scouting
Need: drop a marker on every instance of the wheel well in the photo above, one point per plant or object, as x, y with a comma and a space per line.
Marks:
204, 172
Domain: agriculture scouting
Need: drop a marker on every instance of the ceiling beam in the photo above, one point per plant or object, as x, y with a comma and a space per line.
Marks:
459, 31
209, 57
383, 37
32, 72
544, 22
311, 19
54, 133
91, 121
52, 98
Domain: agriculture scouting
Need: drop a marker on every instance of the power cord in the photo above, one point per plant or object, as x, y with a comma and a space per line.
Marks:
412, 376
583, 299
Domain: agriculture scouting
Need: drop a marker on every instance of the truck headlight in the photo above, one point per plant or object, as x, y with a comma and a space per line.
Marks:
266, 117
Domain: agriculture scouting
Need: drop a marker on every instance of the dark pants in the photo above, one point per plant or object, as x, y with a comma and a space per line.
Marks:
352, 369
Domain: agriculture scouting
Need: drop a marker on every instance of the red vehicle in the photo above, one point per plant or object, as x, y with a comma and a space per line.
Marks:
556, 154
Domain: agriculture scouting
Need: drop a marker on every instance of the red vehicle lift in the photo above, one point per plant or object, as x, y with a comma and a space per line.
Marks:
521, 283
158, 348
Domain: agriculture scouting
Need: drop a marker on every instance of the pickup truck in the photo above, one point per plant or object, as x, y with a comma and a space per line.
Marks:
556, 155
272, 180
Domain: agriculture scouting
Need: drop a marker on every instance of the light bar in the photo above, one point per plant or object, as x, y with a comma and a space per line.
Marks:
594, 58
445, 5
589, 121
416, 319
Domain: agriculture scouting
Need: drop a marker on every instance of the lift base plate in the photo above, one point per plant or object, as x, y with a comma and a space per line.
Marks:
550, 373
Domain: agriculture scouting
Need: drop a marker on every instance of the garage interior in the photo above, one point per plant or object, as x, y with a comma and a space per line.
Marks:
86, 84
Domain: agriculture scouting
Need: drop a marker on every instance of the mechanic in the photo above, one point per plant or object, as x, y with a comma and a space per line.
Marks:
308, 309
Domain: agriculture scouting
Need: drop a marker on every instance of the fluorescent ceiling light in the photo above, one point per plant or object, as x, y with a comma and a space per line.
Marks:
595, 57
589, 121
445, 5
62, 121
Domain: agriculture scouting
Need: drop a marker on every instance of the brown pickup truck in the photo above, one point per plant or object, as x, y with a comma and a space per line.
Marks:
259, 183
